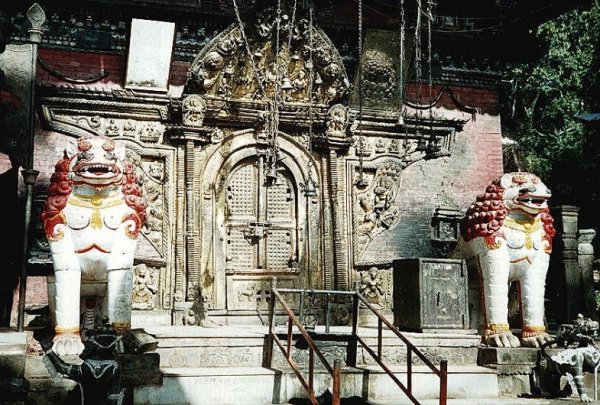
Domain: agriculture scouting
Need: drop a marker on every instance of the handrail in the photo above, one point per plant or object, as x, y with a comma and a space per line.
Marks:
441, 372
334, 371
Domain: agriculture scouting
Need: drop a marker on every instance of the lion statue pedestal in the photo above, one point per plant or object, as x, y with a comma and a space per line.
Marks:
508, 231
92, 219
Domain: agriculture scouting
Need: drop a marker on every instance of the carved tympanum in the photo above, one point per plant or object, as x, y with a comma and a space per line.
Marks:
224, 68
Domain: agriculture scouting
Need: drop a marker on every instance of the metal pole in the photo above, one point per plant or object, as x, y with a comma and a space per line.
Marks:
443, 382
272, 298
337, 376
36, 17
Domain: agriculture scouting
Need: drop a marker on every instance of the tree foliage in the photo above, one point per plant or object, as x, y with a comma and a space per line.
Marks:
563, 80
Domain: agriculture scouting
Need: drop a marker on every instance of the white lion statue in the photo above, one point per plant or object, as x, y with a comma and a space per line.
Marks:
509, 232
92, 219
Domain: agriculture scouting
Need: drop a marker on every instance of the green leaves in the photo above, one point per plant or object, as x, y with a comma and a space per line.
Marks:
545, 95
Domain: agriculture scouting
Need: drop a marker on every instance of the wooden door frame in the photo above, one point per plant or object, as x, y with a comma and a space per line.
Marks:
234, 149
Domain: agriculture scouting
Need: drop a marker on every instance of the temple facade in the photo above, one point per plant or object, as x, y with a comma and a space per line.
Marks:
347, 180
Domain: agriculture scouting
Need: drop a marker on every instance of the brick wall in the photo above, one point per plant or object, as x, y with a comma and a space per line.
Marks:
476, 160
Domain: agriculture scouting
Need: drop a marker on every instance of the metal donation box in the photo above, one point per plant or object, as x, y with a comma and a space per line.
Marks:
430, 294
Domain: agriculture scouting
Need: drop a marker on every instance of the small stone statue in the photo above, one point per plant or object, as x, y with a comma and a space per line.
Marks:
99, 376
579, 355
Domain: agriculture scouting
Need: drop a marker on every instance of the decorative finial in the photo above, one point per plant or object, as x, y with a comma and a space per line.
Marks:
37, 18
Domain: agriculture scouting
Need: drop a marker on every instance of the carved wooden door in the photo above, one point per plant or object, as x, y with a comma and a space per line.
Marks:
261, 226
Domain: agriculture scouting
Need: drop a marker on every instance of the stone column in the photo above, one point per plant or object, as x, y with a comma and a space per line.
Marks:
328, 263
188, 296
585, 252
565, 217
193, 265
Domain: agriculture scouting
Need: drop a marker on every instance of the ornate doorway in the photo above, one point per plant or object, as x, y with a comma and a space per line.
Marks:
261, 221
254, 227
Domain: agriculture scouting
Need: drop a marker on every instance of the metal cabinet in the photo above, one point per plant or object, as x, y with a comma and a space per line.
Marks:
430, 294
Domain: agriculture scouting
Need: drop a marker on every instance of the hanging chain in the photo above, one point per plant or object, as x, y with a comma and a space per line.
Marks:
310, 183
418, 52
277, 71
291, 28
311, 77
361, 141
429, 51
429, 18
401, 83
273, 128
248, 51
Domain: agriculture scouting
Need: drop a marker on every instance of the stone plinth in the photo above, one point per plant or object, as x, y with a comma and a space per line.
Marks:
12, 363
515, 367
139, 369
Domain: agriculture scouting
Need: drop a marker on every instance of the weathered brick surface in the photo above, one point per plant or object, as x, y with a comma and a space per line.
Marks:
82, 65
456, 180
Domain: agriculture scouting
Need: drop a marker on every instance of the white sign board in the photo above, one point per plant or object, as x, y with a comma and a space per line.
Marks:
150, 52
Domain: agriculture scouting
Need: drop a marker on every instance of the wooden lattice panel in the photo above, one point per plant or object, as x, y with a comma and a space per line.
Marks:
241, 192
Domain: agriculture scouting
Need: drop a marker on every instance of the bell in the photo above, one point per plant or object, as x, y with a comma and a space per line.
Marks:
286, 84
271, 176
422, 143
318, 80
310, 188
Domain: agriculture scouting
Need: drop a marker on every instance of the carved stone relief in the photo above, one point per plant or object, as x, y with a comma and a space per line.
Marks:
145, 287
337, 121
151, 174
375, 208
371, 285
224, 69
193, 110
379, 81
145, 131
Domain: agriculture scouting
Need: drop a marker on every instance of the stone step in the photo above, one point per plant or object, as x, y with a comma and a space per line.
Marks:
244, 346
13, 351
475, 401
257, 385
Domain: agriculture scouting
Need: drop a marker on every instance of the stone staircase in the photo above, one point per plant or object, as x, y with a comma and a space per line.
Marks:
223, 365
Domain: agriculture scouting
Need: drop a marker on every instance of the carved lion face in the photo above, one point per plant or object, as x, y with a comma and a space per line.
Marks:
96, 161
525, 192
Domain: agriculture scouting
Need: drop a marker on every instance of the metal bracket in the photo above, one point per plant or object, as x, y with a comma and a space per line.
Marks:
256, 230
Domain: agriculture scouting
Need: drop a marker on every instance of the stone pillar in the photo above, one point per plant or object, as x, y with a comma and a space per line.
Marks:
339, 245
565, 217
328, 263
188, 307
585, 252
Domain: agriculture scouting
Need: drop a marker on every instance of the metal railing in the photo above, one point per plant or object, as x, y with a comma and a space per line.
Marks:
357, 299
334, 371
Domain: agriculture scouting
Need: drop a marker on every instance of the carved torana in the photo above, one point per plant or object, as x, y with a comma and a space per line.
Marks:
224, 68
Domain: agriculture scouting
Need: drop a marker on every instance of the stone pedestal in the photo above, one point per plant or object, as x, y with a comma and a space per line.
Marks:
514, 366
430, 294
585, 252
139, 369
12, 363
